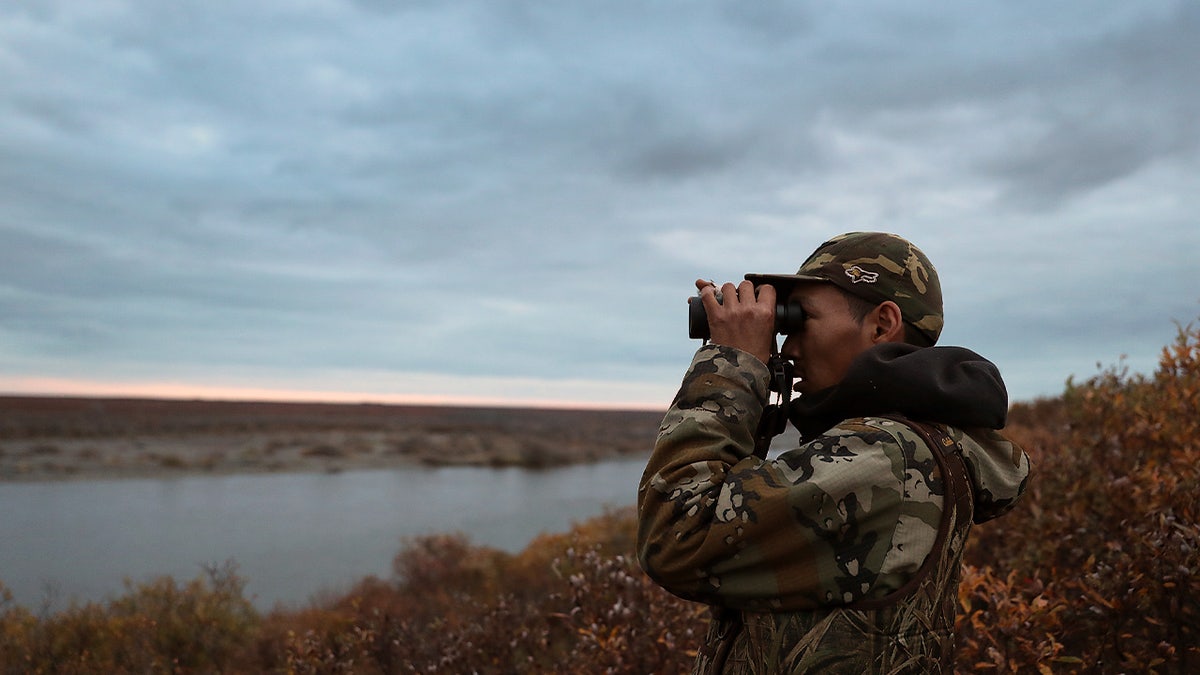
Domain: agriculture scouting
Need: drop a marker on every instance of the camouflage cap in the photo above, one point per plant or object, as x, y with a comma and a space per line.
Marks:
875, 266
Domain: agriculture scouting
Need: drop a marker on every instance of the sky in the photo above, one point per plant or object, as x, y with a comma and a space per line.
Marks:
508, 201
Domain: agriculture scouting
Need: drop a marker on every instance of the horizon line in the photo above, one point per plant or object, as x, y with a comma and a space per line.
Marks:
55, 388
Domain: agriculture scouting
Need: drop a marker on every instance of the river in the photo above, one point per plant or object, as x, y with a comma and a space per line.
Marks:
292, 536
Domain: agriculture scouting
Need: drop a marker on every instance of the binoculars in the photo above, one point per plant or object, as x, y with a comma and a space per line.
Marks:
789, 317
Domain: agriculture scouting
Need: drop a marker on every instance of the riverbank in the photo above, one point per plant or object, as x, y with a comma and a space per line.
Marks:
45, 438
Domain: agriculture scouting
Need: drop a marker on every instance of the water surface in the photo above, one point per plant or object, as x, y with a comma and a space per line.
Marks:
292, 536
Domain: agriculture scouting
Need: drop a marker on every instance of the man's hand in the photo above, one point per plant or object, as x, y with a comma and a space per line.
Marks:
742, 319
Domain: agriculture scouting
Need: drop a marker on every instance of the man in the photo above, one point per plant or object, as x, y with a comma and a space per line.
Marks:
844, 554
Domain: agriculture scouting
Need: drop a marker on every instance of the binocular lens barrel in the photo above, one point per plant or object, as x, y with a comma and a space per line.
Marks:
789, 318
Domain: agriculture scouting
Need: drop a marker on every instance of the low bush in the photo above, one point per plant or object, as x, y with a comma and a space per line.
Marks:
158, 627
1101, 561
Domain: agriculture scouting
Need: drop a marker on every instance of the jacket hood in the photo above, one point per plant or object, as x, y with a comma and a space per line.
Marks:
951, 385
947, 385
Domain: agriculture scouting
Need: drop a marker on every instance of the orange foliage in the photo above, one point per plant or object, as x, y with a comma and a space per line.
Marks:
1101, 558
569, 603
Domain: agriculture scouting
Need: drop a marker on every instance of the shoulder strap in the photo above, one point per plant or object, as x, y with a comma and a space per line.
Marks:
958, 499
950, 461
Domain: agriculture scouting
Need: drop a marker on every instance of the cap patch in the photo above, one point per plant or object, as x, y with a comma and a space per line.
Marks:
858, 274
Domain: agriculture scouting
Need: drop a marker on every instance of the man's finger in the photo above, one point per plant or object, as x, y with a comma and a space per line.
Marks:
766, 294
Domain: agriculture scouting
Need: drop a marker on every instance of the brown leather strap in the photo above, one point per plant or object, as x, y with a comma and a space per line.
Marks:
729, 624
957, 498
949, 457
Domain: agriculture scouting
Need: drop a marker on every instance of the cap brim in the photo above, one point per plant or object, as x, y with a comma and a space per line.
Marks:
783, 279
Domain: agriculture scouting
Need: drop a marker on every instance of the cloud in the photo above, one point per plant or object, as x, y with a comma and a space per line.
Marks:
527, 190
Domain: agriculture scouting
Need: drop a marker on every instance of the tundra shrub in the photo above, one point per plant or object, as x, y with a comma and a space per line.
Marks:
1102, 560
157, 627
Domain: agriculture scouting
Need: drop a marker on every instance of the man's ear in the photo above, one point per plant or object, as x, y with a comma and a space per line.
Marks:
889, 323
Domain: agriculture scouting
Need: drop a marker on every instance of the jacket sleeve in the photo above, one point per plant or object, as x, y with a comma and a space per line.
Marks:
816, 526
998, 467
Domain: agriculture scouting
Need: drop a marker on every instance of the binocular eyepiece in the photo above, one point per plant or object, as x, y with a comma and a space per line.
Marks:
789, 317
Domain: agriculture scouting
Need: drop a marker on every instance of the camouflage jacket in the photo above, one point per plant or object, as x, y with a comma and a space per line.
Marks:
813, 538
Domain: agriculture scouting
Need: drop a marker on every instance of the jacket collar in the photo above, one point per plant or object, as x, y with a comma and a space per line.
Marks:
951, 385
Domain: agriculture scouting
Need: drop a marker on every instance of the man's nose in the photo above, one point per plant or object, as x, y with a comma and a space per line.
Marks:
791, 347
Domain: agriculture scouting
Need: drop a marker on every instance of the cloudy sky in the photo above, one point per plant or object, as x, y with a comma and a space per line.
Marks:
509, 200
